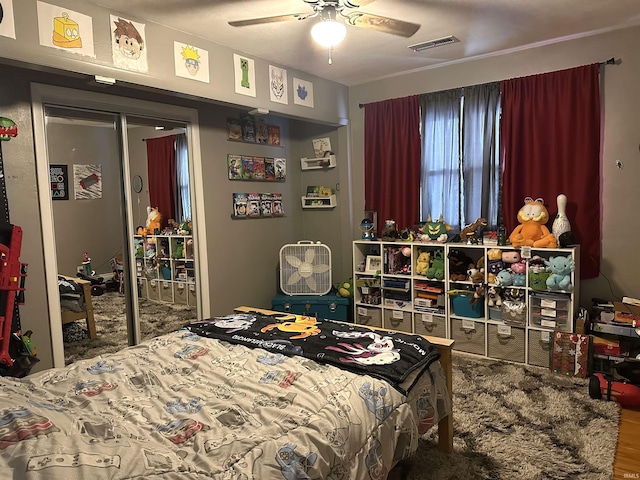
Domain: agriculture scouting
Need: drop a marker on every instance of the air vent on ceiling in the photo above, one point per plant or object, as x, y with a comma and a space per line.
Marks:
418, 47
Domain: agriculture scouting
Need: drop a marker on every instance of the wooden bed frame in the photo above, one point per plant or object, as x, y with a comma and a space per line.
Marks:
444, 345
69, 316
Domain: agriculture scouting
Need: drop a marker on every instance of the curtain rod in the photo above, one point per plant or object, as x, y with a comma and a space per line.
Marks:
611, 61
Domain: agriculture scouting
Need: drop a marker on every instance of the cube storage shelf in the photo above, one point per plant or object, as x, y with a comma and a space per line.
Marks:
416, 288
165, 268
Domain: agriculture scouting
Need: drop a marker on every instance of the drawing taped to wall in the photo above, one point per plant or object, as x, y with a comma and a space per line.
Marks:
191, 62
87, 182
244, 75
7, 24
65, 29
128, 44
302, 92
59, 180
278, 88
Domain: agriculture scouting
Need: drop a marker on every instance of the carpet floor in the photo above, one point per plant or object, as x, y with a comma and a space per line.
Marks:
156, 318
518, 422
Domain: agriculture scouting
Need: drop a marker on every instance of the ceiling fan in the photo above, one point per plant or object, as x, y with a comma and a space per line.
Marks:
329, 11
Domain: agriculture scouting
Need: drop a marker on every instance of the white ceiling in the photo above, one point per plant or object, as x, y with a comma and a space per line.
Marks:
484, 27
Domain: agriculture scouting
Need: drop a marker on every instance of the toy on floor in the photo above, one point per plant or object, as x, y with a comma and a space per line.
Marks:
532, 230
603, 387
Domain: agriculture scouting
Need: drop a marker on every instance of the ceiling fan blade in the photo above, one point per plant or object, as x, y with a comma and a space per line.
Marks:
277, 18
383, 24
356, 3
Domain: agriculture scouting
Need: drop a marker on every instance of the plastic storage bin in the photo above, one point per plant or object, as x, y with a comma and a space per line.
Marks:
331, 307
462, 306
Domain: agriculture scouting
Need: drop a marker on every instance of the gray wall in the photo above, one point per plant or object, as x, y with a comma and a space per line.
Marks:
621, 104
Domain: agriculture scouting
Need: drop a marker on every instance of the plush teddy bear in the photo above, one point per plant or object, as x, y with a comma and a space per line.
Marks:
561, 268
532, 230
458, 264
494, 296
423, 262
153, 223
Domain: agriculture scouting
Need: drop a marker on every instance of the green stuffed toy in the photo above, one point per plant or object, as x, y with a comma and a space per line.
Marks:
345, 289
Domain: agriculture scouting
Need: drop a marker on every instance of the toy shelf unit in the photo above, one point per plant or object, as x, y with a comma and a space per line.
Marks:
317, 163
165, 267
494, 301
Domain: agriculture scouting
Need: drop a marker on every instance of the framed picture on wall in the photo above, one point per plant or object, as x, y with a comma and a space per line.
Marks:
373, 264
59, 180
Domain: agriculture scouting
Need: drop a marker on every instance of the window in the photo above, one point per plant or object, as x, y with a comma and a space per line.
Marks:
460, 175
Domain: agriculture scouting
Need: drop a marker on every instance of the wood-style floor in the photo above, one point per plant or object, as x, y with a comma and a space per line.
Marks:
627, 461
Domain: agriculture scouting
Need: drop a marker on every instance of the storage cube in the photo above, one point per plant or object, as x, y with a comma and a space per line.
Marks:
166, 292
469, 335
142, 288
180, 293
550, 311
398, 320
540, 344
430, 324
506, 342
153, 290
192, 295
371, 317
462, 307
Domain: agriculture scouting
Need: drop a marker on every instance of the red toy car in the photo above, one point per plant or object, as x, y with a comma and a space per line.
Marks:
626, 394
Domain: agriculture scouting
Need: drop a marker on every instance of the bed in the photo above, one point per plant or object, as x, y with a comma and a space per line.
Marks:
76, 303
200, 403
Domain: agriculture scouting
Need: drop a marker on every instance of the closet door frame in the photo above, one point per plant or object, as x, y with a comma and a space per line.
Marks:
42, 95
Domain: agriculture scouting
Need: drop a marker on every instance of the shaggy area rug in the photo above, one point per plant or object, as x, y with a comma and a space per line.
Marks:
156, 318
518, 422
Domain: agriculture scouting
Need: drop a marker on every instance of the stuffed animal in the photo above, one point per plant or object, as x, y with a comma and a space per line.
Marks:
561, 268
345, 289
471, 233
436, 270
423, 263
477, 295
184, 228
458, 265
474, 274
153, 223
436, 230
494, 296
504, 278
532, 230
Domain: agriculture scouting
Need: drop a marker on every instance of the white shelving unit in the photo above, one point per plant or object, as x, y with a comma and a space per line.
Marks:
402, 295
317, 163
165, 268
319, 202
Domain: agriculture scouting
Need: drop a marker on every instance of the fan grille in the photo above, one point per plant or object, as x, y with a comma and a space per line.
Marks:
305, 269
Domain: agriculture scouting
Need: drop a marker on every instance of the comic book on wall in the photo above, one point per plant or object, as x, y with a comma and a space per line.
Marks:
234, 129
269, 169
234, 165
280, 168
239, 205
247, 167
274, 135
258, 168
266, 204
253, 204
262, 131
277, 209
248, 128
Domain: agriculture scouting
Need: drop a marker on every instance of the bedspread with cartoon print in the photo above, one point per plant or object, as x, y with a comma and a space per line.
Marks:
184, 407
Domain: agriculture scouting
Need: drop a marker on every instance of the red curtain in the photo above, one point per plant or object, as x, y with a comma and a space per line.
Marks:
161, 165
550, 131
392, 160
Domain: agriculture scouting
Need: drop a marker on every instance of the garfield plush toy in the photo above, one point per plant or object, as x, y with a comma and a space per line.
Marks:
532, 230
154, 222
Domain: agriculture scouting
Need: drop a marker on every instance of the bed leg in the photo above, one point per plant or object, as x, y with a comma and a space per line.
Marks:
445, 426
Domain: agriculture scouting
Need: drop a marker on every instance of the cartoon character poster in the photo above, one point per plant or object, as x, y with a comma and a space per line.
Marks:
278, 85
191, 62
7, 24
302, 92
128, 44
244, 75
65, 29
87, 181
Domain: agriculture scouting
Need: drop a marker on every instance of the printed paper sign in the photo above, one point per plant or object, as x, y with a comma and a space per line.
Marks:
191, 62
278, 85
302, 92
65, 29
128, 44
7, 24
244, 75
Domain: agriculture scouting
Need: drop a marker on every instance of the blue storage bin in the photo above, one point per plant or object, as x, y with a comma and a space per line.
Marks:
329, 306
463, 308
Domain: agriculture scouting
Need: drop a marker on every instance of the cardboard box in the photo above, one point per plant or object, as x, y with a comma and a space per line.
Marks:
605, 346
625, 313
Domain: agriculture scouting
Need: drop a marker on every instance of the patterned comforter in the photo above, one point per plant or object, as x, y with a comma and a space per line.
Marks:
183, 407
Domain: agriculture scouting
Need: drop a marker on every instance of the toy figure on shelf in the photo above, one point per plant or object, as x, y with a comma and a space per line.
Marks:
436, 230
367, 229
153, 225
471, 233
561, 223
389, 232
532, 230
561, 268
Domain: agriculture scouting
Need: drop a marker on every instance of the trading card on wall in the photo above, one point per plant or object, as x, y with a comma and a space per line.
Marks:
247, 168
234, 163
240, 205
128, 45
274, 135
253, 204
280, 168
266, 204
269, 169
234, 129
258, 168
248, 128
276, 208
262, 131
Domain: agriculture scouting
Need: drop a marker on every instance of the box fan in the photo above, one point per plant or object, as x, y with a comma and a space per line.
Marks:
305, 268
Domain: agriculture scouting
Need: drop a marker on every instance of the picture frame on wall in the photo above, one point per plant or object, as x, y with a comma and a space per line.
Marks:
373, 264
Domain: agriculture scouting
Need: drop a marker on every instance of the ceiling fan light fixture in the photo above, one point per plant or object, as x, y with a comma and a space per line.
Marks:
328, 32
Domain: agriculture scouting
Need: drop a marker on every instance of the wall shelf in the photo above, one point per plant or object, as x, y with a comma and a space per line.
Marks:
317, 163
319, 202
